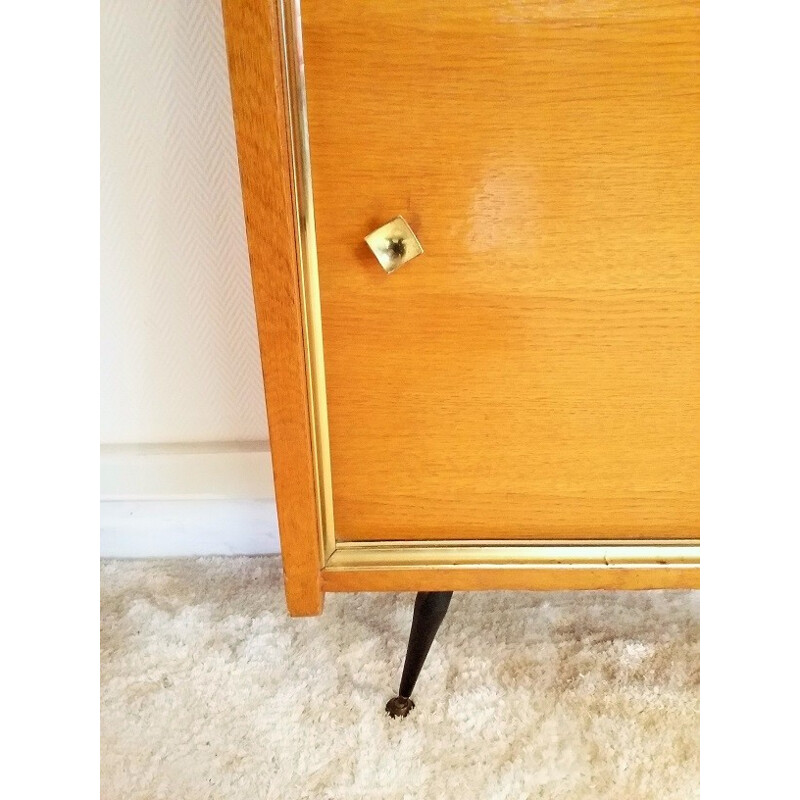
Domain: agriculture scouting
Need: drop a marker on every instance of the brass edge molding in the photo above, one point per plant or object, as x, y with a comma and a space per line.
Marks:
518, 543
303, 196
513, 556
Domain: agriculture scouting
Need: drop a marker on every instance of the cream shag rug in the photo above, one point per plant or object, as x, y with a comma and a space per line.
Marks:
210, 690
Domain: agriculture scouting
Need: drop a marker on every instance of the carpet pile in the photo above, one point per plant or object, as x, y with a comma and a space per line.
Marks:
210, 690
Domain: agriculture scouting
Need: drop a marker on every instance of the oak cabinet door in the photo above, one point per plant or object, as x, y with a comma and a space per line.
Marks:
535, 373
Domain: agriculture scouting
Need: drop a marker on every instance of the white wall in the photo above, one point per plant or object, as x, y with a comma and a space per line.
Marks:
182, 407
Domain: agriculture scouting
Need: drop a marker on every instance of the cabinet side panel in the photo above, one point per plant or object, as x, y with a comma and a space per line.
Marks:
252, 32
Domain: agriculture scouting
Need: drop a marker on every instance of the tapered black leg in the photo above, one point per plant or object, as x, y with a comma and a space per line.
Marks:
429, 611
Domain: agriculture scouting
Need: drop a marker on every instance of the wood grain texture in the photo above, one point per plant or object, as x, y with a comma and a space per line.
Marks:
536, 373
484, 579
261, 132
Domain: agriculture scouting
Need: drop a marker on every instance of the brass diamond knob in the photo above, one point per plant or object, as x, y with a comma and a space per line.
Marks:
394, 244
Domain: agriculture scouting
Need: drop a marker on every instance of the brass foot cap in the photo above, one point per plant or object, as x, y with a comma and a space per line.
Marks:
399, 706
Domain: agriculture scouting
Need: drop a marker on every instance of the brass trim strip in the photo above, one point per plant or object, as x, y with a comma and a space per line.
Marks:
441, 555
294, 76
518, 543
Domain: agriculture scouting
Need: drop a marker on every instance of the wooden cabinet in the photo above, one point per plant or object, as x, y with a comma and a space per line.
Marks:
517, 407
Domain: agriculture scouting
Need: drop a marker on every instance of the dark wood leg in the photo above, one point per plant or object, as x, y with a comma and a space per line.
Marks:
429, 611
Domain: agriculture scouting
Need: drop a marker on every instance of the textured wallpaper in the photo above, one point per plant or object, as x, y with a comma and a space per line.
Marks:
179, 353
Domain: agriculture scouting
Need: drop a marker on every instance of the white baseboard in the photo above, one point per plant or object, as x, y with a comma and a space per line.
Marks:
186, 499
190, 470
173, 528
